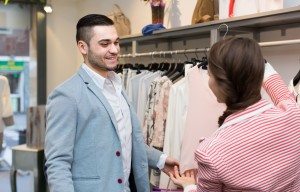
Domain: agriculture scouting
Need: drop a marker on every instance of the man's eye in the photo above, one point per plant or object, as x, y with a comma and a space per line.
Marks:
116, 43
104, 44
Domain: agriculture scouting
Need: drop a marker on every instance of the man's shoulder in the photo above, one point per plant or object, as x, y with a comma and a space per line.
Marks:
70, 86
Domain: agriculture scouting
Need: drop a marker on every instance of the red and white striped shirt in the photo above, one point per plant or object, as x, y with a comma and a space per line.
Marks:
257, 149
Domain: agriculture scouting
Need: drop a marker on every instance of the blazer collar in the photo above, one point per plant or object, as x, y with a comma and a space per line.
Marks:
98, 93
247, 113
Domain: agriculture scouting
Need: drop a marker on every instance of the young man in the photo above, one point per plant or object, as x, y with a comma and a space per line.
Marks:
93, 139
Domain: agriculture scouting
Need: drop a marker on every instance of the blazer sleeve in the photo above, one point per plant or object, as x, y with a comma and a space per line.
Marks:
61, 112
153, 156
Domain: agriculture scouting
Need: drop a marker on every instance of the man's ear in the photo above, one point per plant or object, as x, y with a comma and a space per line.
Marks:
83, 47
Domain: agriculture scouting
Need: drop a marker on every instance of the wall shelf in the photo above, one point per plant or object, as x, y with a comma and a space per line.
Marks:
255, 23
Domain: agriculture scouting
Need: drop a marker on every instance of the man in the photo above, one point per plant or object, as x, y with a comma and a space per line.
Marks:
93, 138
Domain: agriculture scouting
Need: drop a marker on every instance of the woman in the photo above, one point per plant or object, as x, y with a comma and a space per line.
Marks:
257, 146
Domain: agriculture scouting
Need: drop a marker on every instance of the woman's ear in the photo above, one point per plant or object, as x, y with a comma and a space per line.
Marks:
83, 47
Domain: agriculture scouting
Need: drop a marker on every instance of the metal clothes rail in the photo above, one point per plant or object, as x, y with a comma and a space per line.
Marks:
184, 51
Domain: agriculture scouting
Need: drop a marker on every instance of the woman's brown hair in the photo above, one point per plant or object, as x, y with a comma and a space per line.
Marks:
237, 65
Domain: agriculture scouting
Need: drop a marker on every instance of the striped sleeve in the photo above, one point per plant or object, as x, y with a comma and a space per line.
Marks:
207, 177
277, 90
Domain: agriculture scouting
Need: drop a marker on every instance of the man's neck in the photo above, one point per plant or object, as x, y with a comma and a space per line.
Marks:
103, 73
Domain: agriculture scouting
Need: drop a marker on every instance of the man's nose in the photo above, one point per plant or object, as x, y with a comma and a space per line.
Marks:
114, 48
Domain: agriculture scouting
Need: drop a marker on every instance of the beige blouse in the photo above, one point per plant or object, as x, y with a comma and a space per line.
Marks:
6, 110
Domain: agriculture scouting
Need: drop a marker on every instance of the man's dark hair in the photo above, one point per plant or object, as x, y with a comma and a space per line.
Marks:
237, 66
86, 23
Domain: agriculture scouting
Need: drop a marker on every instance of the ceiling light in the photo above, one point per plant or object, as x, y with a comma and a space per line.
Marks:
48, 8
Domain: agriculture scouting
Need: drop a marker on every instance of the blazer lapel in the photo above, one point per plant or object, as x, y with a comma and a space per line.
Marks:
97, 92
127, 100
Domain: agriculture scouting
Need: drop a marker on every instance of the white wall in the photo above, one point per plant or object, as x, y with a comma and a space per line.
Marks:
285, 59
178, 12
61, 44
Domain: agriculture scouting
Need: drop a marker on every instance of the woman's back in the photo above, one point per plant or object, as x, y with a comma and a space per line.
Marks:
256, 149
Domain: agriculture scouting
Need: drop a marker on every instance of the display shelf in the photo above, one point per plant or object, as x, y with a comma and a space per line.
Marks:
279, 19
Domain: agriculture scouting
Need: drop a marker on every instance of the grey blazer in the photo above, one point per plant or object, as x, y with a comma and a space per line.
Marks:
82, 147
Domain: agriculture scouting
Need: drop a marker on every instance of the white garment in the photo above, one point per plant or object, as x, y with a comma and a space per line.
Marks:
124, 77
295, 90
246, 7
5, 101
133, 89
112, 90
131, 74
240, 8
177, 109
270, 5
143, 93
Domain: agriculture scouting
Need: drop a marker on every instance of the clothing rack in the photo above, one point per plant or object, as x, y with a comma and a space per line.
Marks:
164, 53
184, 51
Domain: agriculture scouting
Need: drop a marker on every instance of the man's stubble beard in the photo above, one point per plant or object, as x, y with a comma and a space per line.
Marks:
96, 64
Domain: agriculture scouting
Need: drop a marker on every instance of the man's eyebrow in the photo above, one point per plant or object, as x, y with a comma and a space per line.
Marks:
108, 40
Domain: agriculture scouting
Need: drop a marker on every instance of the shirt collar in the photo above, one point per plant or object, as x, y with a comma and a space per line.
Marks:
100, 80
253, 110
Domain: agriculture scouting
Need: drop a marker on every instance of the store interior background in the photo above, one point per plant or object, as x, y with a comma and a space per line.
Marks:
63, 58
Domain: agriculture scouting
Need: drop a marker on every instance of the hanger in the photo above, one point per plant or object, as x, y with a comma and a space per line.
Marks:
164, 65
296, 79
196, 54
196, 60
204, 63
174, 67
184, 53
179, 70
227, 29
171, 67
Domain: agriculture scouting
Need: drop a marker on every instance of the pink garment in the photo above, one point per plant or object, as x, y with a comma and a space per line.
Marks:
203, 112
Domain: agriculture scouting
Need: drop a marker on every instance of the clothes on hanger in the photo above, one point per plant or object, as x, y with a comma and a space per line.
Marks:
156, 111
6, 111
177, 110
203, 112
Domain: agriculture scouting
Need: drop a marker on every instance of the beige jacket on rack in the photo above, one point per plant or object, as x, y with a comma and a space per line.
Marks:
6, 112
203, 12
